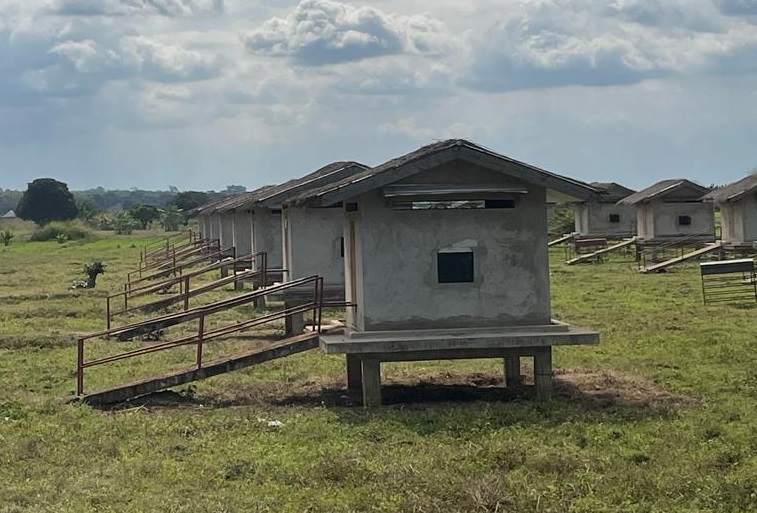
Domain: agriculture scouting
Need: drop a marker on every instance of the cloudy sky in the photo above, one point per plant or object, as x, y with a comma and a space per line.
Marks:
201, 94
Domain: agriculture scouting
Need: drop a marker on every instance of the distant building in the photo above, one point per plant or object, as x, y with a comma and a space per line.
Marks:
9, 215
602, 216
673, 210
738, 211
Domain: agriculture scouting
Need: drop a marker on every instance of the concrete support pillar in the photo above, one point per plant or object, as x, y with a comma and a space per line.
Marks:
354, 375
371, 369
294, 324
512, 371
543, 373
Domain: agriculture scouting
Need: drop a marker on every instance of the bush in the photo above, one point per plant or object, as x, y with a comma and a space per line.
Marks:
61, 231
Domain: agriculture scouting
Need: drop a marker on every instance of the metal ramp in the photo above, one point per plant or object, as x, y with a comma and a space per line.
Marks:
686, 256
280, 349
560, 240
600, 253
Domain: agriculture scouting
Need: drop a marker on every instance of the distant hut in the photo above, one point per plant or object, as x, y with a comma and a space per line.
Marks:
9, 215
673, 210
738, 211
603, 216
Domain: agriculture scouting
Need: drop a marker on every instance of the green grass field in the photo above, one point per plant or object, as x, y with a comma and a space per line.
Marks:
660, 417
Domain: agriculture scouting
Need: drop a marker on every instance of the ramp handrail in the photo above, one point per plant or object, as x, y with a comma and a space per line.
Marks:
680, 244
259, 262
175, 255
165, 243
203, 335
176, 270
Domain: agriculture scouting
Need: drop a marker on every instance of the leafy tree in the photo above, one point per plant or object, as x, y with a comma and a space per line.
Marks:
125, 223
561, 219
190, 200
87, 208
145, 214
172, 217
45, 200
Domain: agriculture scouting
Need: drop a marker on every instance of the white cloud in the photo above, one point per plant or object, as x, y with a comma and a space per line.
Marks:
605, 42
171, 8
319, 32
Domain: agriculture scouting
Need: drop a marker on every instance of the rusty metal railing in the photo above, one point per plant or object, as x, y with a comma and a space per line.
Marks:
258, 263
174, 255
202, 335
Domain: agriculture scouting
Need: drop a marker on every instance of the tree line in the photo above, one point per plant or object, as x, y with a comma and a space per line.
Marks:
47, 199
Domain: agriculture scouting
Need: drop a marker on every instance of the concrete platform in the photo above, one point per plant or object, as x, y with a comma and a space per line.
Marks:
366, 350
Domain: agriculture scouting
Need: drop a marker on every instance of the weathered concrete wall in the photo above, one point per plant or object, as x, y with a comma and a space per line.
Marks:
226, 220
593, 220
203, 226
266, 235
242, 232
738, 221
666, 216
749, 208
215, 226
396, 282
313, 243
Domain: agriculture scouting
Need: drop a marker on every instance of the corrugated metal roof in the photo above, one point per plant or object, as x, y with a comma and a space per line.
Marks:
421, 153
272, 196
611, 192
662, 188
734, 191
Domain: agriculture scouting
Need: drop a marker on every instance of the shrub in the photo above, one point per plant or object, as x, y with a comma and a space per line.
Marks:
6, 236
61, 232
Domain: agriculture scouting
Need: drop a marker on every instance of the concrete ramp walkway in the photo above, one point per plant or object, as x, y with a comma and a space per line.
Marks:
134, 389
597, 254
687, 256
560, 240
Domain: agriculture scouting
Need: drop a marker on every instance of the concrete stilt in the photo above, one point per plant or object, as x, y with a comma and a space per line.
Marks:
543, 373
512, 371
371, 370
354, 375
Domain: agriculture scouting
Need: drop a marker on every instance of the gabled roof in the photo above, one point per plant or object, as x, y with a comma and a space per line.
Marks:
734, 191
9, 214
431, 156
274, 196
211, 206
663, 188
611, 192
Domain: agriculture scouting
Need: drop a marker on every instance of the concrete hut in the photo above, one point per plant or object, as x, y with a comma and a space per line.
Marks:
209, 220
446, 257
673, 210
255, 221
738, 212
602, 216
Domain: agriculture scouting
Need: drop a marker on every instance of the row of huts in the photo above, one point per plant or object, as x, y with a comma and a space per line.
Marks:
438, 254
671, 209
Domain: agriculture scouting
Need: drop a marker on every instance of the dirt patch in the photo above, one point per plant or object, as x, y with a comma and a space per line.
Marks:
594, 390
611, 388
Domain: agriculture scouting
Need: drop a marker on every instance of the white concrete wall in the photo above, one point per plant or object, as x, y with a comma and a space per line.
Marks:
313, 243
749, 213
266, 235
242, 232
595, 220
396, 283
215, 226
666, 219
226, 220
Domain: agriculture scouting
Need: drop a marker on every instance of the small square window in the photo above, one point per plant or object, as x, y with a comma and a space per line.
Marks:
455, 267
684, 220
350, 207
614, 218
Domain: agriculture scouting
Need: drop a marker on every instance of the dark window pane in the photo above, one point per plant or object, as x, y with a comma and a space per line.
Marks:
455, 267
614, 218
684, 220
499, 203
